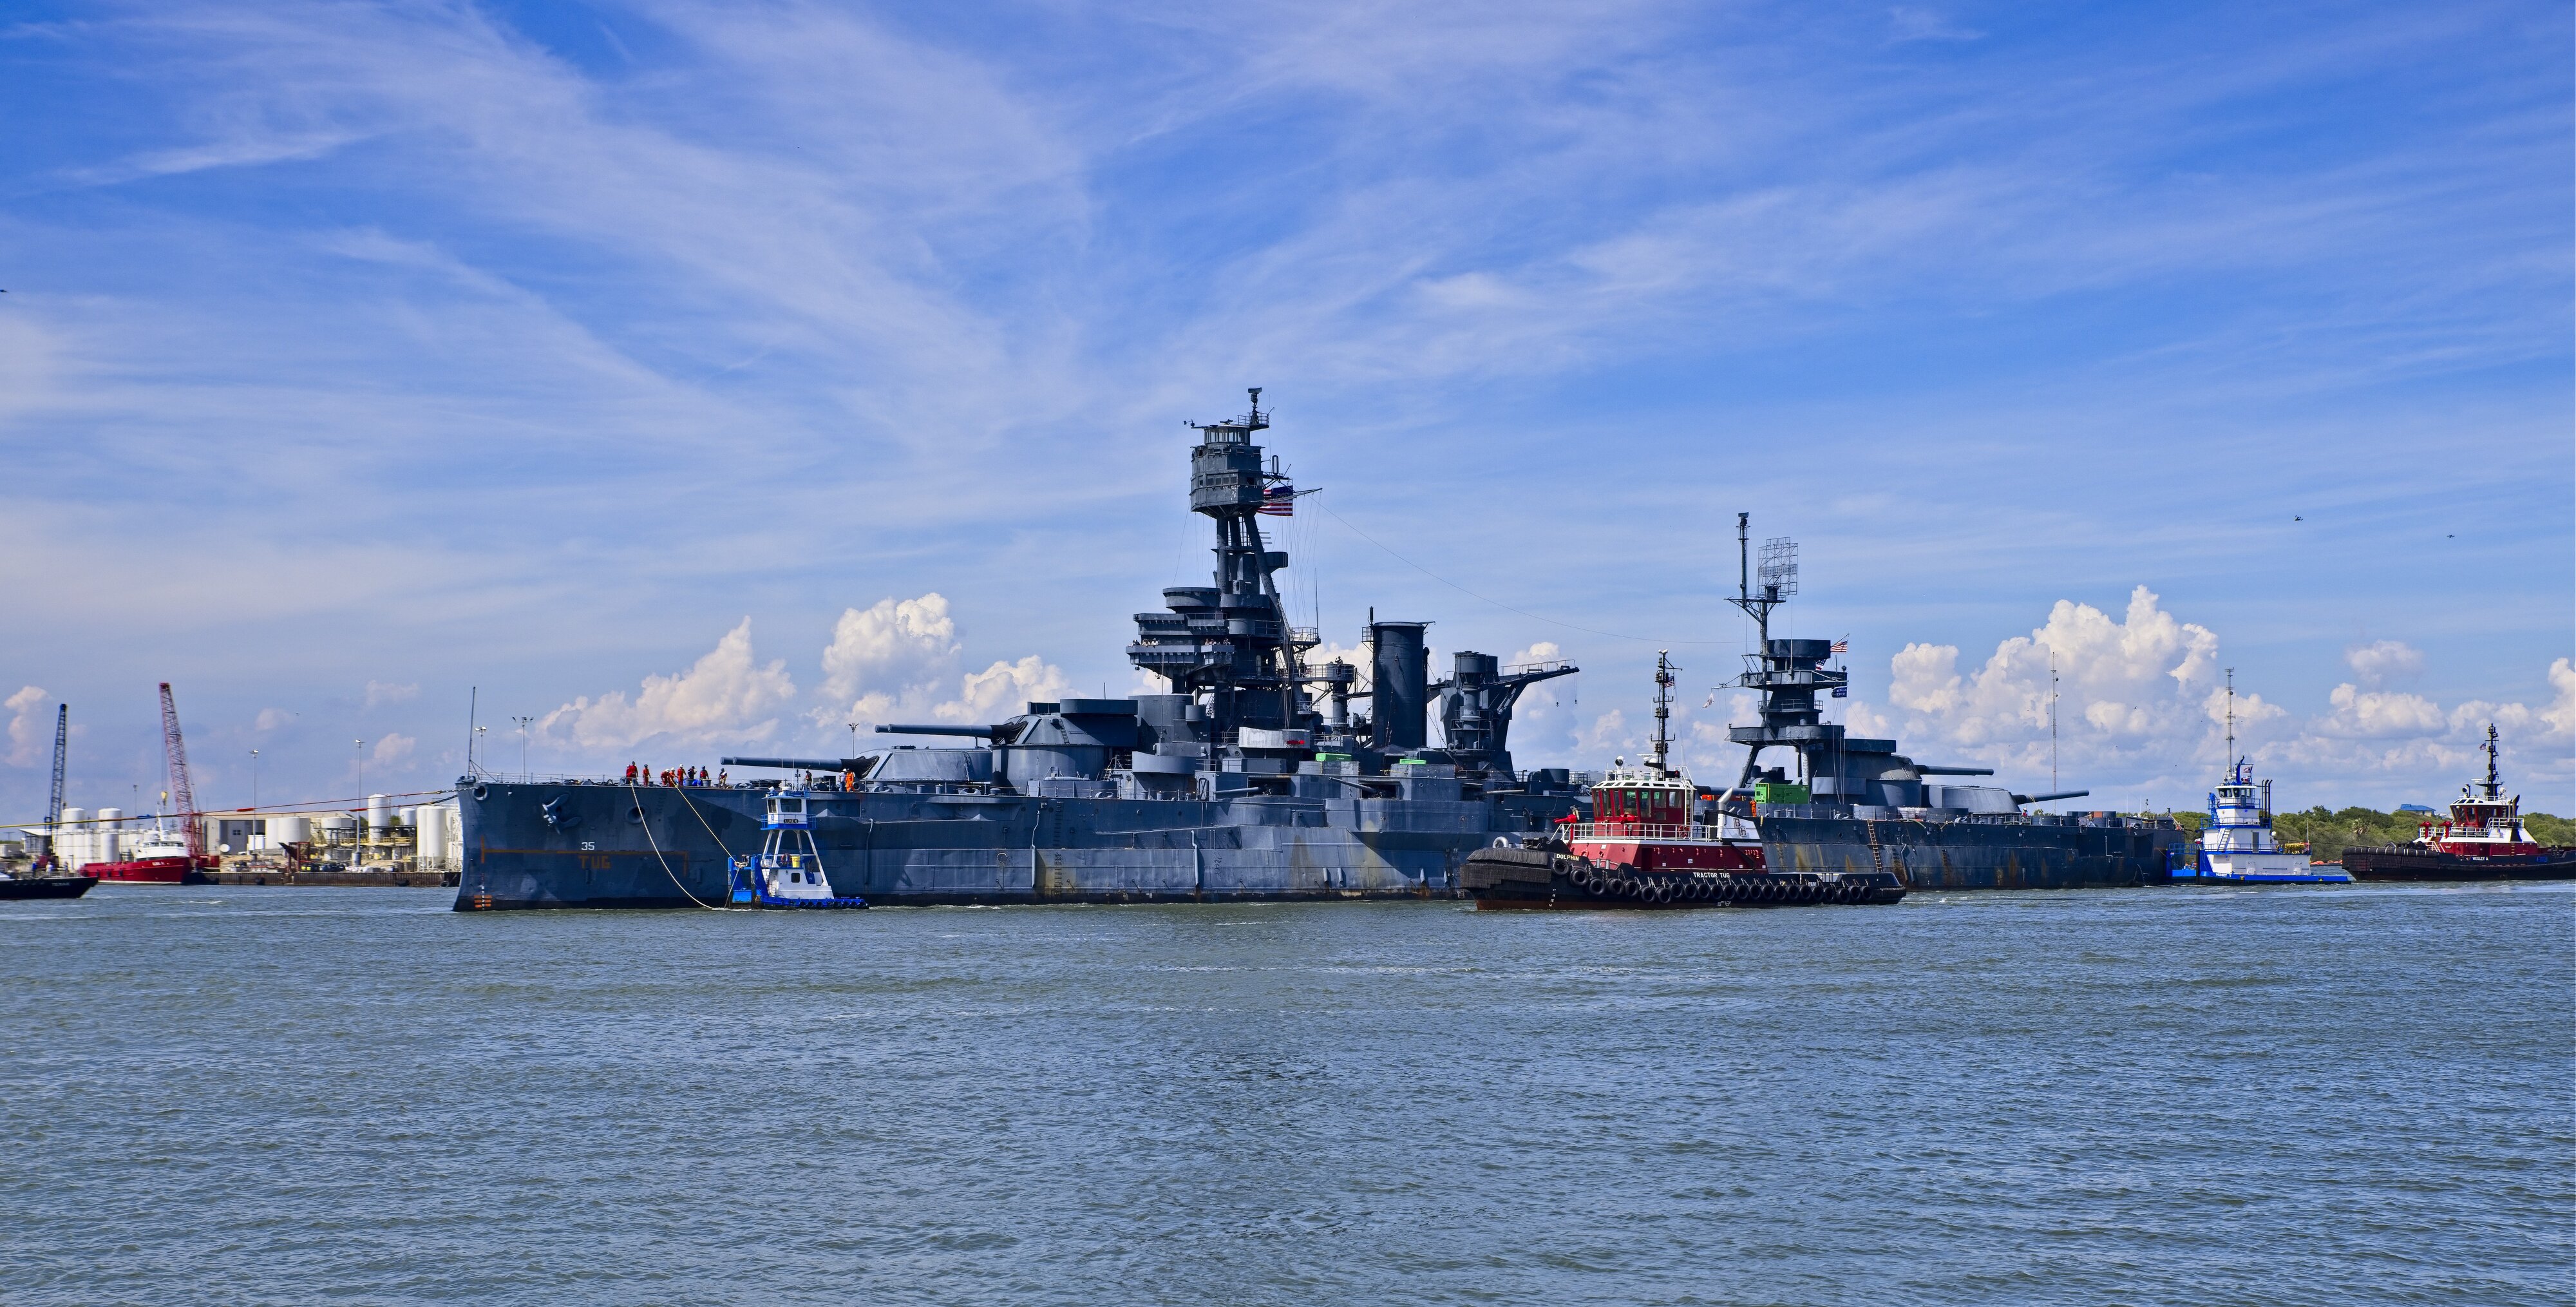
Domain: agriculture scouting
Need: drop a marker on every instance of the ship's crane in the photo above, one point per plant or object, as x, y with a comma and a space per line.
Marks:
182, 795
54, 809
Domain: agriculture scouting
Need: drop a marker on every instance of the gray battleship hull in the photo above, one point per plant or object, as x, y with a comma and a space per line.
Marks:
556, 845
2043, 853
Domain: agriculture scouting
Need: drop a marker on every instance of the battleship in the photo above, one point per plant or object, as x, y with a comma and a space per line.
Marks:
1255, 776
1858, 805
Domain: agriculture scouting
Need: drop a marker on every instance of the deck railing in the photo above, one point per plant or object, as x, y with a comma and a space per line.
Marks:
1699, 832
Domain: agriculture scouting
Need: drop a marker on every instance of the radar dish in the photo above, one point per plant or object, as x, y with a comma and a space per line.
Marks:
1779, 567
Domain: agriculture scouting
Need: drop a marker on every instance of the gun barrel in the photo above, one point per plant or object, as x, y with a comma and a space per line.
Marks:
2044, 798
980, 732
1927, 770
795, 764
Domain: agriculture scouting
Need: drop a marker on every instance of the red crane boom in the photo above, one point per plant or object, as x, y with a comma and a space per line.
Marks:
182, 795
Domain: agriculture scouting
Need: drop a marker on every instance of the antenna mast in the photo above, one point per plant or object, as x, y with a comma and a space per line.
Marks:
2495, 787
182, 794
2052, 717
2230, 760
1664, 670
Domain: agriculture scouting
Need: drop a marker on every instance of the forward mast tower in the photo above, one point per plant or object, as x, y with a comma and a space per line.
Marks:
1230, 645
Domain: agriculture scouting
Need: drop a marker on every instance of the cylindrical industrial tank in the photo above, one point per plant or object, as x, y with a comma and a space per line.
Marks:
430, 840
380, 813
109, 817
339, 827
1402, 680
291, 828
72, 843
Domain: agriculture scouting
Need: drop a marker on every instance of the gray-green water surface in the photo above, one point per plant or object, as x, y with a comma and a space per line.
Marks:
2301, 1095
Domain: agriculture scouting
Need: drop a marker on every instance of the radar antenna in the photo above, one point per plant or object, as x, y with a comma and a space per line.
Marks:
1779, 574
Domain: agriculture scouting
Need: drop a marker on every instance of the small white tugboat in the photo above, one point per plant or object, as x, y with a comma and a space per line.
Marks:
788, 870
2237, 845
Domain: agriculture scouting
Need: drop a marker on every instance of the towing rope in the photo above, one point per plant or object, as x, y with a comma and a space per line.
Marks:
657, 851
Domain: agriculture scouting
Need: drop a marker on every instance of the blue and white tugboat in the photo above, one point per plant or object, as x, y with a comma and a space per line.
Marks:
2237, 846
788, 870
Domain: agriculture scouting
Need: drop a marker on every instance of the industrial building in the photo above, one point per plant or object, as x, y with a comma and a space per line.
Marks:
383, 844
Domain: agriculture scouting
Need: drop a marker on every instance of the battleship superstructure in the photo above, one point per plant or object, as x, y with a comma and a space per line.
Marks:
1856, 804
1253, 777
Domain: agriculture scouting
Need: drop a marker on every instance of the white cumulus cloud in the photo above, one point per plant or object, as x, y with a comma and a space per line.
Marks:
28, 738
392, 750
2377, 663
726, 696
902, 660
2140, 681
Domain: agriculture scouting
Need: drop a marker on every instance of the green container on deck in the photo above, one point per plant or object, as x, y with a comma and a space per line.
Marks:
1767, 793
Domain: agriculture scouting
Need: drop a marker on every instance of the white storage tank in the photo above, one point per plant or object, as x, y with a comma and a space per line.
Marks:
339, 828
72, 838
430, 842
380, 814
102, 837
290, 828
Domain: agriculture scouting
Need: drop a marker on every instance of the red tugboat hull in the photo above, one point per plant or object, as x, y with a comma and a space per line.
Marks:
153, 871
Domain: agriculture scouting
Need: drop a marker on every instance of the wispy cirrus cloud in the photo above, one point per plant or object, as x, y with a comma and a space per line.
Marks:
744, 309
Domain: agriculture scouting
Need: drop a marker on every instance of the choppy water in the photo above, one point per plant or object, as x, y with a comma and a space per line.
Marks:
2294, 1095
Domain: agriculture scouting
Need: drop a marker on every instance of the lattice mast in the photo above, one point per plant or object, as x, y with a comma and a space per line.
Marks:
183, 796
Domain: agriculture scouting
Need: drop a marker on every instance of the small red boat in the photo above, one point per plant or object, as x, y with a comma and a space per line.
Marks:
160, 858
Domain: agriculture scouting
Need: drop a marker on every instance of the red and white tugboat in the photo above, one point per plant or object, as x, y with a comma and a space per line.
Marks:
1650, 844
2482, 839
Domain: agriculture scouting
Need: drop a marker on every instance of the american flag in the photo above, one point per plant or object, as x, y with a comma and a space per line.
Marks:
1842, 646
1280, 501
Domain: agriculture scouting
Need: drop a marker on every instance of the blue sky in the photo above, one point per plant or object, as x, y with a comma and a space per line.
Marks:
356, 355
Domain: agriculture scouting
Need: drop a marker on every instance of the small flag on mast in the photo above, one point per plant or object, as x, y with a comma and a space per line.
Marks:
1279, 501
1842, 646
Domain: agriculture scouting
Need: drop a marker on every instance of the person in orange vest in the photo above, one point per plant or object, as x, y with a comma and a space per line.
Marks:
849, 779
630, 773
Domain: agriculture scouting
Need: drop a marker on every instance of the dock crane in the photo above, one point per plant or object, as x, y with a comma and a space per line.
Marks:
54, 810
183, 796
